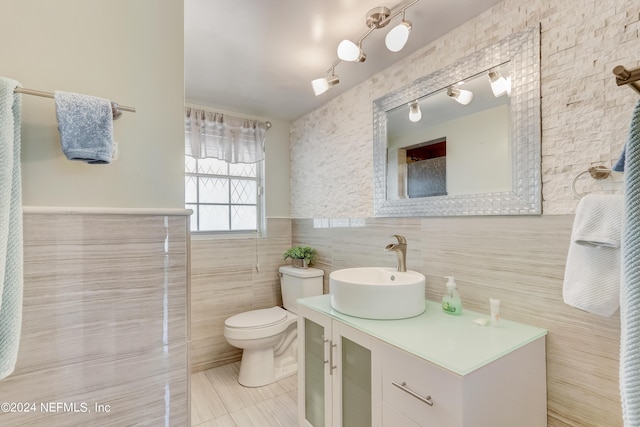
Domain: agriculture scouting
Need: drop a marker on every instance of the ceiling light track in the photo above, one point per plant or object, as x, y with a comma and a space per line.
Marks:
378, 17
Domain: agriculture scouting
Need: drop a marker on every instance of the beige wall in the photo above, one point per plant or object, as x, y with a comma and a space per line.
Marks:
475, 146
130, 52
94, 307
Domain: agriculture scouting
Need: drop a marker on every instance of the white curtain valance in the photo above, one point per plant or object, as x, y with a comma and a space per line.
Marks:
224, 137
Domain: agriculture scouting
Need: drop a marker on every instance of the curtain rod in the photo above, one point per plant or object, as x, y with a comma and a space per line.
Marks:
626, 77
115, 106
187, 108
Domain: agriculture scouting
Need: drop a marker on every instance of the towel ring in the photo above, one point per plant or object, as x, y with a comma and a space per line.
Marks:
596, 172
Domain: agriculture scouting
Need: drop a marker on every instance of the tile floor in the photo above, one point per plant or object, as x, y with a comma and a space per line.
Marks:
217, 400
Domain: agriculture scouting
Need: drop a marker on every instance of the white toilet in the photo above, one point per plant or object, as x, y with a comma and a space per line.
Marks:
268, 336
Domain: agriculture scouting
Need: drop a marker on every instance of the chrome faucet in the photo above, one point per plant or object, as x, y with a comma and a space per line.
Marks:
400, 249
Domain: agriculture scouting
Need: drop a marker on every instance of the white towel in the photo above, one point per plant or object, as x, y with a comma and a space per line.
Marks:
592, 273
11, 269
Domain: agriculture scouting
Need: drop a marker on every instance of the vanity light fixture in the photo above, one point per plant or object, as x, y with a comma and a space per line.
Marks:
323, 84
378, 17
414, 112
499, 85
464, 97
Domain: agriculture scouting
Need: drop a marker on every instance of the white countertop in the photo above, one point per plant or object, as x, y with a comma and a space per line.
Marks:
455, 343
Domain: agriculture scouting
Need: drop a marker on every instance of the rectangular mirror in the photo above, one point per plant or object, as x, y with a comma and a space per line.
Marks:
456, 142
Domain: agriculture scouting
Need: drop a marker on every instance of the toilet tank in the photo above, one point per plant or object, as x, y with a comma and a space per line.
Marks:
299, 283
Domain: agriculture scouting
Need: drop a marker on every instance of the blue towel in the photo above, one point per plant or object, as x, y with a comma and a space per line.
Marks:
11, 270
630, 286
619, 166
86, 127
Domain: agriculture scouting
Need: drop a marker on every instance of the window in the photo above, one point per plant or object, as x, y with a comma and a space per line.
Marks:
224, 161
225, 197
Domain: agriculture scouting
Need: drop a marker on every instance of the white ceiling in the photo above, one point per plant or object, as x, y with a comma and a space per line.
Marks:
258, 57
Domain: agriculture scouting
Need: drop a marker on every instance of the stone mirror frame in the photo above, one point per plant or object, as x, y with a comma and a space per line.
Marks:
522, 52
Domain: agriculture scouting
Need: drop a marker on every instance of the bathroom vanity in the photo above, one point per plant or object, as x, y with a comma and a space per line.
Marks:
430, 370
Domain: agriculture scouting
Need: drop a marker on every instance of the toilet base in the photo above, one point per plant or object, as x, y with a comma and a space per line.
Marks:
269, 354
258, 369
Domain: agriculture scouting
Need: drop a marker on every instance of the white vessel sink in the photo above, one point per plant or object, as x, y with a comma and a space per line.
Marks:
377, 292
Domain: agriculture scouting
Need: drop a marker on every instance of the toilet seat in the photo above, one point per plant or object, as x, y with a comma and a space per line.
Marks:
262, 323
257, 318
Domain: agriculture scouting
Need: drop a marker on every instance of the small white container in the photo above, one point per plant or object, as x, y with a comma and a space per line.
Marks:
495, 311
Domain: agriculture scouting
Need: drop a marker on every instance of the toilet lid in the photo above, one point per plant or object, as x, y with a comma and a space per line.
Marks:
257, 318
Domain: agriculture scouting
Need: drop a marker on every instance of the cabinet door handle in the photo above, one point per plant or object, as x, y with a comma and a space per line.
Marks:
324, 349
406, 389
331, 365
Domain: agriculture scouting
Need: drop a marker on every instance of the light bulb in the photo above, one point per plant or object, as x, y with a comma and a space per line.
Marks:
465, 97
414, 112
349, 51
499, 85
320, 85
398, 36
462, 96
323, 84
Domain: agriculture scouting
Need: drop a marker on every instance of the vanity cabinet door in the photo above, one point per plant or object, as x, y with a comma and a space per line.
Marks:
424, 393
314, 378
352, 378
335, 371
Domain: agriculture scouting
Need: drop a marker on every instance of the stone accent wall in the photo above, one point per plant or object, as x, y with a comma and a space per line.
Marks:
585, 116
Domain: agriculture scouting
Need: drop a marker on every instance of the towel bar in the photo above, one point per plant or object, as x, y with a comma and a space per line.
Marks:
626, 77
115, 108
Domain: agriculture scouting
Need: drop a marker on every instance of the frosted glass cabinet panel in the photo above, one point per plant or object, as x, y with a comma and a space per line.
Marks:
314, 391
356, 384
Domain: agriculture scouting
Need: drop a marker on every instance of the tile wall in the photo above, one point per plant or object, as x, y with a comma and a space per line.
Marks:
519, 260
105, 327
225, 281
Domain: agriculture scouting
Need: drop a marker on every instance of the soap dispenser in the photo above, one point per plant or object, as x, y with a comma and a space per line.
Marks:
451, 302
